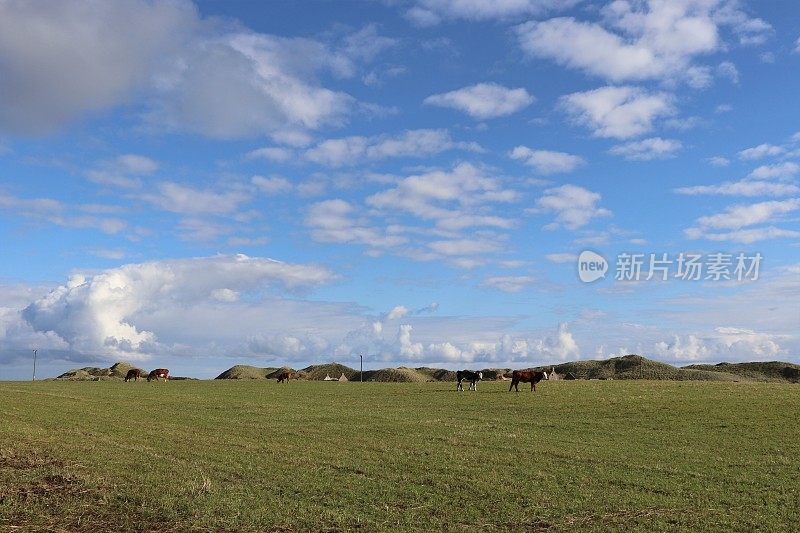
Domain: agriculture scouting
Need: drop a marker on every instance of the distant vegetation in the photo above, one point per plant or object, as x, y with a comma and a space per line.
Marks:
627, 367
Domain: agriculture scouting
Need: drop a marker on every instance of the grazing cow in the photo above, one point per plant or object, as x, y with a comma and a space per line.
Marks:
527, 376
468, 375
133, 374
158, 373
285, 377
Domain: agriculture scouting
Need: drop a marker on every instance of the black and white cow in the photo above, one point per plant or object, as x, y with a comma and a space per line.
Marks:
468, 375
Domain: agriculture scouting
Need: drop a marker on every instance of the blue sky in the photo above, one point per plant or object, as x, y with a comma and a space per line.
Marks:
197, 185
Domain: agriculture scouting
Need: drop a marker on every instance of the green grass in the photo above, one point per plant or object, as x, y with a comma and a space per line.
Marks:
255, 456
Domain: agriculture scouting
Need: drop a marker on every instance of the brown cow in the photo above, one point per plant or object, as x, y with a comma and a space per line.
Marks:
527, 376
158, 373
285, 377
133, 374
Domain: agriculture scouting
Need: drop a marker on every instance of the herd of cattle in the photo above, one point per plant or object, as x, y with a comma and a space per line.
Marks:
517, 376
134, 374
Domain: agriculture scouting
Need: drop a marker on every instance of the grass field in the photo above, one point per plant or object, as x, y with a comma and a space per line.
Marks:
244, 456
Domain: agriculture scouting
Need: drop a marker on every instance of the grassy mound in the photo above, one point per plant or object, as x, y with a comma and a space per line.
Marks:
769, 371
252, 372
398, 375
638, 367
334, 370
117, 371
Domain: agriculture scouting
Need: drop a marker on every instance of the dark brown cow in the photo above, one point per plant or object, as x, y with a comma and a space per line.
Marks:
158, 373
526, 376
133, 374
285, 377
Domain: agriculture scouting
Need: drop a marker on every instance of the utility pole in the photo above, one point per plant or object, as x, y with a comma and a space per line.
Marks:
361, 356
34, 364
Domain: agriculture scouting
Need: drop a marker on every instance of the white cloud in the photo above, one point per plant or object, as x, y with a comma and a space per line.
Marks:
102, 314
787, 169
411, 143
483, 100
208, 76
744, 236
742, 188
124, 171
247, 84
573, 206
546, 161
724, 343
728, 70
738, 216
762, 150
510, 284
618, 112
336, 221
61, 214
797, 46
399, 311
186, 200
464, 247
450, 198
278, 154
272, 184
432, 12
640, 40
647, 149
562, 258
719, 161
95, 56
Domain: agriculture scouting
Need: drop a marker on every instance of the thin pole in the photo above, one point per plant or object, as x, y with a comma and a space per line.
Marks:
362, 367
34, 364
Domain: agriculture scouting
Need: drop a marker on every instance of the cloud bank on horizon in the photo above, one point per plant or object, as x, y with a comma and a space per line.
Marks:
205, 184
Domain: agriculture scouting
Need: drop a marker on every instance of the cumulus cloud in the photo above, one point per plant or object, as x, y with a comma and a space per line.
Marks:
203, 76
562, 258
65, 215
124, 171
718, 161
638, 41
451, 198
618, 112
546, 161
742, 188
744, 236
246, 84
272, 184
96, 55
787, 169
411, 143
433, 12
728, 70
510, 284
483, 100
398, 311
337, 221
725, 343
573, 206
760, 151
738, 216
183, 199
647, 149
101, 314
